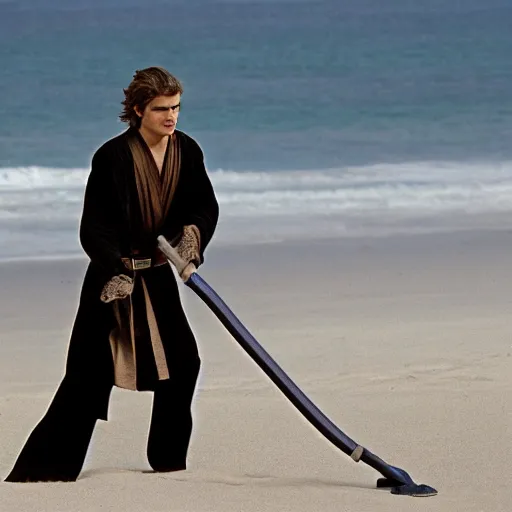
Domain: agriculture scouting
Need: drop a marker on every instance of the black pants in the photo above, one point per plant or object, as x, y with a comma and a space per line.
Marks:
56, 449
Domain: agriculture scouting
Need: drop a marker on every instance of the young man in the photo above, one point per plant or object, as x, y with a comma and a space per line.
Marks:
130, 330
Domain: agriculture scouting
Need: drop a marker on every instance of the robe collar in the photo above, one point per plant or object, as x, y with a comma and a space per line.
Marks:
155, 189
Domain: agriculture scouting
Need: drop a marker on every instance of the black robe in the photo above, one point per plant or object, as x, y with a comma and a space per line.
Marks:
111, 229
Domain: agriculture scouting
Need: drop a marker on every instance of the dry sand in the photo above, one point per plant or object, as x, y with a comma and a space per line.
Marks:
403, 342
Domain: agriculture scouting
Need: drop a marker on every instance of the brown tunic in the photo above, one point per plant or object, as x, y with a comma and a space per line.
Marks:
155, 193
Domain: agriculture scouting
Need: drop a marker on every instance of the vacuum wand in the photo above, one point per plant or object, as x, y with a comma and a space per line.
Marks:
395, 478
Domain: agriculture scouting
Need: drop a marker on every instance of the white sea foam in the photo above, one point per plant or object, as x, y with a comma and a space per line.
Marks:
44, 204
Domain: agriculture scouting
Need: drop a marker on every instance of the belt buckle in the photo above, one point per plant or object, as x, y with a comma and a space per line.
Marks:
141, 264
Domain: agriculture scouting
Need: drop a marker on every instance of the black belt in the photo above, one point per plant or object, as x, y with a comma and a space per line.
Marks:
140, 263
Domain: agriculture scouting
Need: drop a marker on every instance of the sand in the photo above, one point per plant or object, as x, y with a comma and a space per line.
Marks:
404, 342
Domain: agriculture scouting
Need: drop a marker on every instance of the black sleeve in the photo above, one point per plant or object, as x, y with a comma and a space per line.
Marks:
101, 217
202, 208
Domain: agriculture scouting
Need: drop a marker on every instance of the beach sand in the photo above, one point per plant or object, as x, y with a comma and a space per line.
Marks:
404, 342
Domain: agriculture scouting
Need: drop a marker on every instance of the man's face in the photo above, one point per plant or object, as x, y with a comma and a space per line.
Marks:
161, 115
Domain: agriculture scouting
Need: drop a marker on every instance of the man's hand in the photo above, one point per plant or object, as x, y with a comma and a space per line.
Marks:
119, 287
188, 271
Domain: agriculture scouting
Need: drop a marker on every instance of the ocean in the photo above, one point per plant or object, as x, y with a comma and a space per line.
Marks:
317, 118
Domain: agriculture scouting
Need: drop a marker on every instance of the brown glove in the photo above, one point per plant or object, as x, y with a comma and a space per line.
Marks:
189, 245
119, 287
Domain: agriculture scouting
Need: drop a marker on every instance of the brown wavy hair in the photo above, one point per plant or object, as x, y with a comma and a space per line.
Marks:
146, 85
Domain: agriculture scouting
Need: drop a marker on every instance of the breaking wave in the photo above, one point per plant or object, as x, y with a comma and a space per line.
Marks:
45, 203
